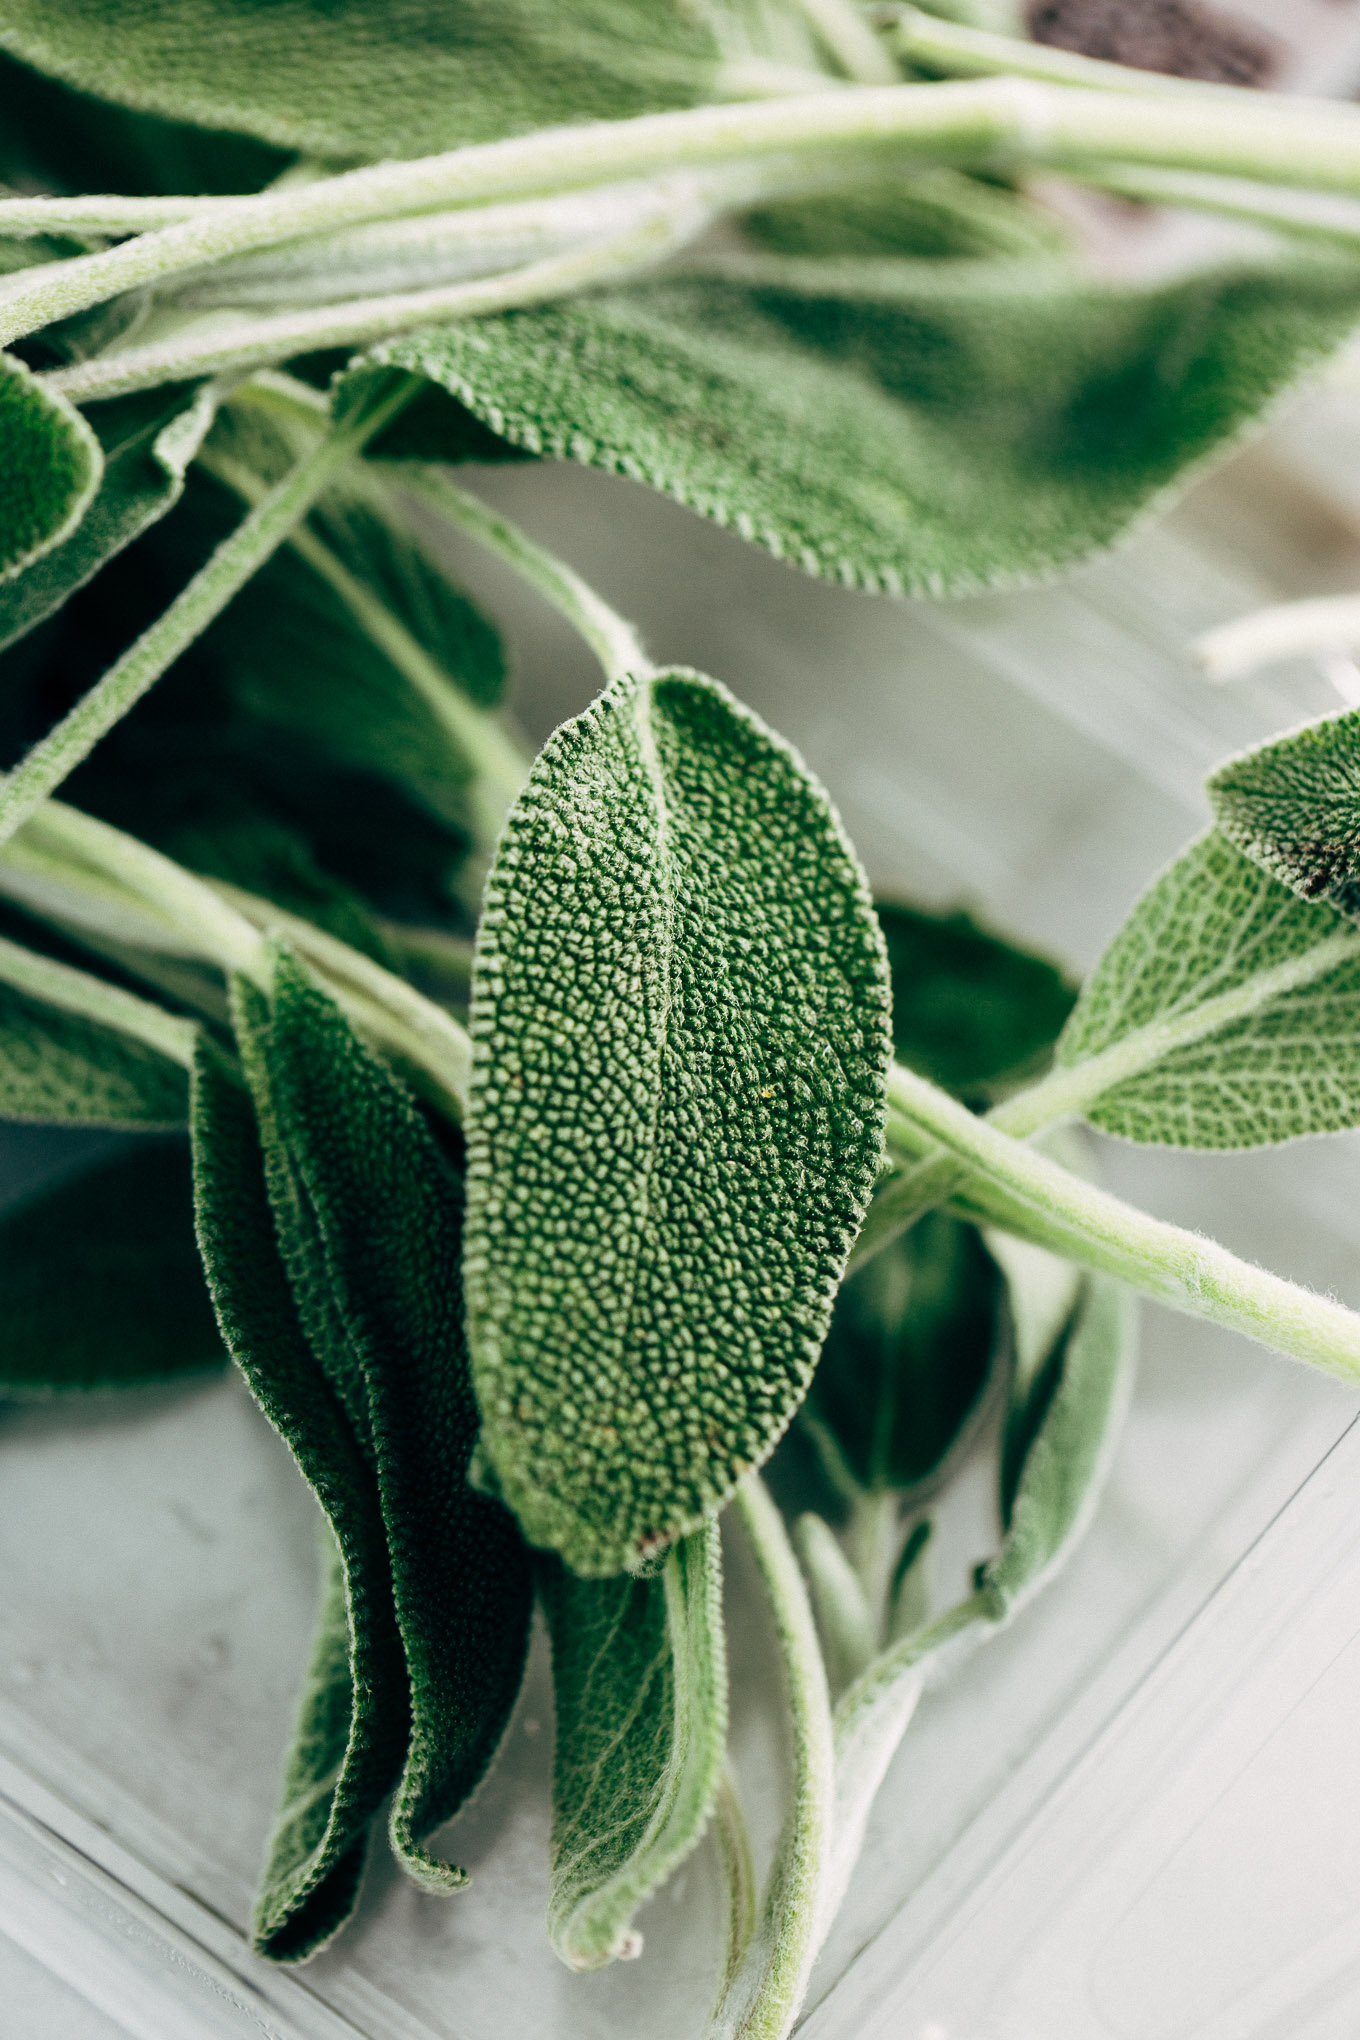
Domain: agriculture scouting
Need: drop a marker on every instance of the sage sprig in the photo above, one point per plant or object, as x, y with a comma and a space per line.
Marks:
549, 1174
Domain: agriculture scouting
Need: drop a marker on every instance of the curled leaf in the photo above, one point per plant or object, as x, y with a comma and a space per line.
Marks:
640, 1699
681, 1037
1293, 807
51, 463
923, 428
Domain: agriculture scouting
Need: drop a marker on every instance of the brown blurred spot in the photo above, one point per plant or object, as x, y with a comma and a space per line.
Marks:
1175, 36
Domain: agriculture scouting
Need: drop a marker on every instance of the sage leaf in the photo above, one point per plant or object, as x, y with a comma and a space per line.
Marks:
51, 463
908, 1357
1293, 807
369, 1218
640, 1699
924, 428
972, 1012
353, 1721
680, 1026
100, 1281
1075, 1413
374, 78
1224, 1014
60, 1066
146, 441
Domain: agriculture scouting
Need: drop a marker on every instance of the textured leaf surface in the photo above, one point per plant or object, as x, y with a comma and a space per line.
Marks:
59, 1066
1293, 807
969, 1009
372, 78
146, 442
640, 1700
50, 462
369, 1218
353, 1721
1280, 1057
915, 427
1075, 1413
681, 1035
909, 1354
100, 1281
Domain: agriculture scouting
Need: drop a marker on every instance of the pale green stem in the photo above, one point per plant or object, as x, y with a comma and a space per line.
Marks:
614, 642
762, 2001
732, 1841
1002, 119
423, 1036
445, 960
1089, 1226
69, 864
845, 1620
499, 765
1071, 1092
957, 51
90, 998
1314, 215
188, 616
846, 36
876, 1682
871, 1538
1286, 630
256, 342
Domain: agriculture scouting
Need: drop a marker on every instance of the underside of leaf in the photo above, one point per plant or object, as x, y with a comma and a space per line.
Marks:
51, 464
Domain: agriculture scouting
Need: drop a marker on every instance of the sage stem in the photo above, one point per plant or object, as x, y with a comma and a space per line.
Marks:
90, 998
1010, 119
1182, 1269
499, 767
762, 2000
733, 1843
258, 342
1283, 631
188, 616
614, 642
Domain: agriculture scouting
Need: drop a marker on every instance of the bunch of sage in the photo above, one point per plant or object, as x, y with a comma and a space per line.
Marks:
568, 1138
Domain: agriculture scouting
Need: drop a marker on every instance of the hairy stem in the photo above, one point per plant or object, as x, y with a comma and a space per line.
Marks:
256, 342
1284, 631
499, 765
90, 998
1009, 119
847, 38
733, 1844
762, 2000
188, 616
1010, 1181
957, 51
614, 642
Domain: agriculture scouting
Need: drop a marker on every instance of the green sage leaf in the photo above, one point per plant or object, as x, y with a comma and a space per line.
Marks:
1074, 1415
369, 1218
681, 1035
51, 463
354, 1718
909, 1354
971, 1011
1293, 807
147, 441
918, 427
1224, 1014
100, 1281
640, 1698
373, 78
60, 1066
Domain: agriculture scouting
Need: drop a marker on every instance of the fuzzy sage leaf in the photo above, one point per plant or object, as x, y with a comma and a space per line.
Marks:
921, 428
1225, 1014
369, 1214
640, 1698
147, 442
354, 1717
1293, 807
51, 463
373, 78
680, 1023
